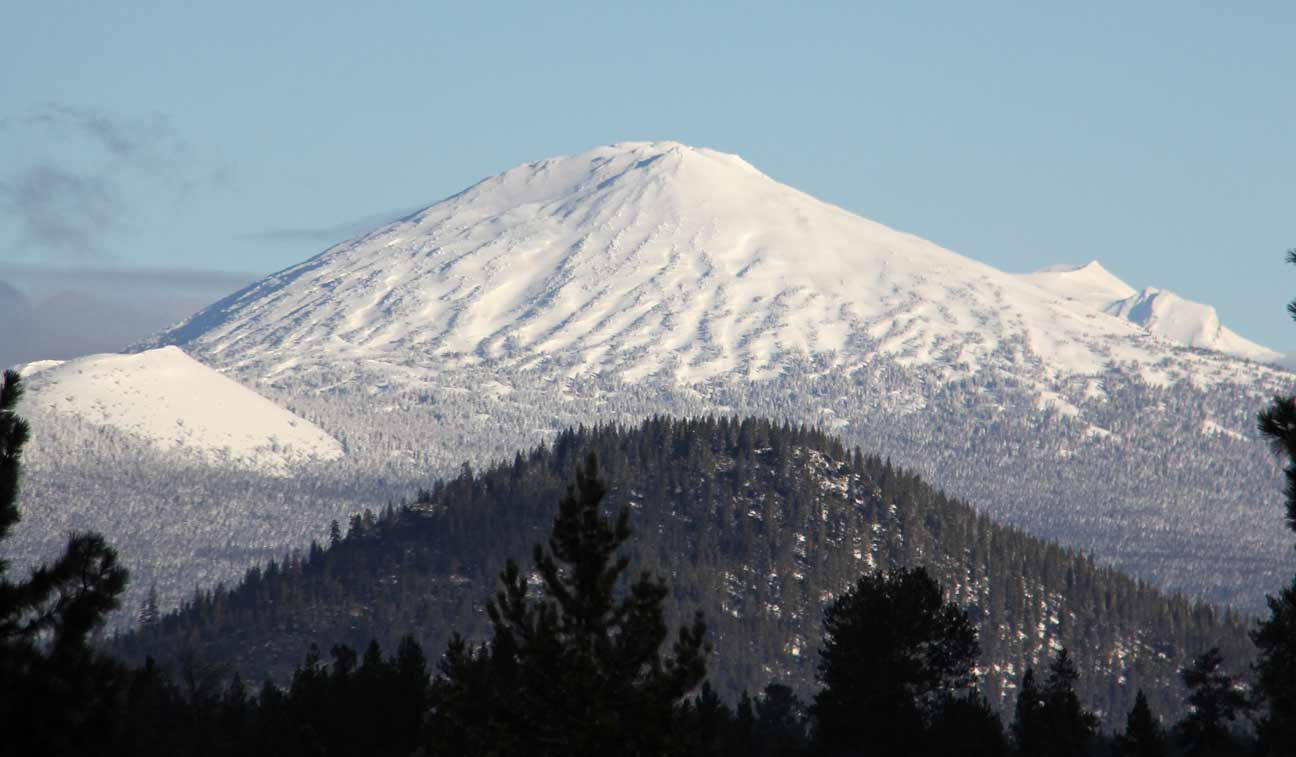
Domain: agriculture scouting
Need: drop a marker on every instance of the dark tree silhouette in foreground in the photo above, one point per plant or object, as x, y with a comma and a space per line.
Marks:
1275, 638
46, 621
1049, 720
1144, 736
579, 671
893, 650
1215, 702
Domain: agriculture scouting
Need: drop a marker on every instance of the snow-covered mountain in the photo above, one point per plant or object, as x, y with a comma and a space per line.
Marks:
646, 278
1163, 313
174, 402
652, 260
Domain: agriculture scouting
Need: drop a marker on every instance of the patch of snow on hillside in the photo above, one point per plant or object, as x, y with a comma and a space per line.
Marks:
175, 402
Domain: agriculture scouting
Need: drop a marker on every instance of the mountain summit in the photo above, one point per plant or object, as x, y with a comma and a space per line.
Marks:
648, 259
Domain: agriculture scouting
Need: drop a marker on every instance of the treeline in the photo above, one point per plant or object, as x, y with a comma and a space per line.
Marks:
754, 522
579, 661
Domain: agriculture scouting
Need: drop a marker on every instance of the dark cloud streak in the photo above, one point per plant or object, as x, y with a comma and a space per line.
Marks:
53, 277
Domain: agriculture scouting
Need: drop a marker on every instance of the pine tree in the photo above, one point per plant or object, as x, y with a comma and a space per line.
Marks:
1071, 726
149, 612
966, 726
1029, 733
1144, 736
781, 720
1275, 667
1050, 721
579, 672
892, 649
59, 694
1215, 701
1275, 638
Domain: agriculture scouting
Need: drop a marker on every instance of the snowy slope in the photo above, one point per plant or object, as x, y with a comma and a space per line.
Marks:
656, 278
1090, 284
1159, 312
175, 402
650, 259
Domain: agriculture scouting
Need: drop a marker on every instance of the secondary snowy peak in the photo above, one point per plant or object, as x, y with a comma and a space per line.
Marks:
1157, 311
646, 259
1090, 284
175, 402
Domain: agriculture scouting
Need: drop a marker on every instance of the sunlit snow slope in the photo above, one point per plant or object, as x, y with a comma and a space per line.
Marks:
175, 402
1163, 313
652, 259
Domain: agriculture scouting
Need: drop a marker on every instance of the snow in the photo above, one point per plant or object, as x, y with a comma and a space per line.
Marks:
656, 260
176, 402
1093, 289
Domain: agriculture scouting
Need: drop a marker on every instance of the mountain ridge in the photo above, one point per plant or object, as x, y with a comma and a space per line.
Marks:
647, 259
757, 523
1156, 310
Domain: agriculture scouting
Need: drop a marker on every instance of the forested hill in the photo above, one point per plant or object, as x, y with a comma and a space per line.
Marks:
757, 524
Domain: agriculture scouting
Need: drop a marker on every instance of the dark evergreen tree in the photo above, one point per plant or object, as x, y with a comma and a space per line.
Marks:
579, 672
965, 726
705, 725
1276, 674
1050, 721
1029, 729
1144, 736
742, 736
892, 649
1215, 702
58, 692
1276, 637
149, 612
781, 723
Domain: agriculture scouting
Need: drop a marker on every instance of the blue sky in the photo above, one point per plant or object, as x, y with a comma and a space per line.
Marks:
243, 137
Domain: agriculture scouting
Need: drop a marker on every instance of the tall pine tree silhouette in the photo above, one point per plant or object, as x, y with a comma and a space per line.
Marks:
1275, 637
1215, 701
57, 691
581, 670
1049, 720
892, 650
1144, 736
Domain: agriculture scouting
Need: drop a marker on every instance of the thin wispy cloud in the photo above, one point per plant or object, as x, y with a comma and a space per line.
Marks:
68, 211
61, 212
329, 234
127, 139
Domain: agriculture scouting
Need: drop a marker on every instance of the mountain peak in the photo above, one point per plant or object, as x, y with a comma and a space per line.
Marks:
640, 259
639, 171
